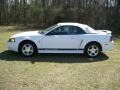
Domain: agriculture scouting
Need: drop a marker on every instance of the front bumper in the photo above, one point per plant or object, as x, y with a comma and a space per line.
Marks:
12, 46
108, 46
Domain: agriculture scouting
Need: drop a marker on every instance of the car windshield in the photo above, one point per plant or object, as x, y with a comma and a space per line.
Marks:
47, 29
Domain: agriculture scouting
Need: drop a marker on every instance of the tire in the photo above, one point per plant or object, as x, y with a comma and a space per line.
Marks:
27, 49
92, 50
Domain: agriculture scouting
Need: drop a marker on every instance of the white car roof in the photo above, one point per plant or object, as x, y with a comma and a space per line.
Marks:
68, 23
83, 26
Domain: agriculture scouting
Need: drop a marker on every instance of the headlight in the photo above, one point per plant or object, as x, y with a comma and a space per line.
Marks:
11, 40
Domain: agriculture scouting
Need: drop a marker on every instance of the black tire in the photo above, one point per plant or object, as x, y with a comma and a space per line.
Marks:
92, 52
33, 46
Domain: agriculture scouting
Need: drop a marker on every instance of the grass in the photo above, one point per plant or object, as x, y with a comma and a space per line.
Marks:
57, 71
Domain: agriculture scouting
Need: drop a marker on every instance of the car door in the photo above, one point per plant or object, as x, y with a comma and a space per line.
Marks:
63, 37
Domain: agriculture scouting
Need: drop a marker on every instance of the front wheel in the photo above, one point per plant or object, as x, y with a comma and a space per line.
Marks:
27, 49
92, 50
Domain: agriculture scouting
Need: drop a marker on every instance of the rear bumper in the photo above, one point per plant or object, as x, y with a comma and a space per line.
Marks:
108, 46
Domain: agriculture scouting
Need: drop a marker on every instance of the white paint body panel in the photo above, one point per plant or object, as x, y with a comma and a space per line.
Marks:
61, 41
43, 41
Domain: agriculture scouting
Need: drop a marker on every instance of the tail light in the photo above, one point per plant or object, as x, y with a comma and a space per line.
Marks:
111, 38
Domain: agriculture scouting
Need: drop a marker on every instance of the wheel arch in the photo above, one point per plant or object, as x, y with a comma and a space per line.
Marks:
24, 42
95, 42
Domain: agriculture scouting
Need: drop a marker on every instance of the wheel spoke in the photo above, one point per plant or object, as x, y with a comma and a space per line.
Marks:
93, 47
25, 47
29, 47
91, 54
24, 51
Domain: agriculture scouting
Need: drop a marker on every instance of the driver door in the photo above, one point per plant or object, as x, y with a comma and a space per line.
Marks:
60, 38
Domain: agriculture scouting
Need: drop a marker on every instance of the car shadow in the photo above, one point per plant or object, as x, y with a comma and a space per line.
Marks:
56, 58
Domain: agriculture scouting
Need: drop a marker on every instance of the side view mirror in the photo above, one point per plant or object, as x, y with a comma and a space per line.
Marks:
42, 32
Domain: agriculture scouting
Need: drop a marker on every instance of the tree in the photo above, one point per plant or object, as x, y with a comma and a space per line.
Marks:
96, 13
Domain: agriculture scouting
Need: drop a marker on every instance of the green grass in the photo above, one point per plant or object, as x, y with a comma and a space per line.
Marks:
57, 71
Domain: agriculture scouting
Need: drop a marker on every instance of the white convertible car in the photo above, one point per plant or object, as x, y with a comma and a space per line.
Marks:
62, 38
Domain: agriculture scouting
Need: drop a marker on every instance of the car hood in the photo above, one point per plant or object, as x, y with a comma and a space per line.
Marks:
28, 33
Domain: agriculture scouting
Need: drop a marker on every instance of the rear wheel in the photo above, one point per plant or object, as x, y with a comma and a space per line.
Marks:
27, 49
92, 50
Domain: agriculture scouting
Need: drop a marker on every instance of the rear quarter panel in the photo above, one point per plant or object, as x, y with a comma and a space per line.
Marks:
87, 38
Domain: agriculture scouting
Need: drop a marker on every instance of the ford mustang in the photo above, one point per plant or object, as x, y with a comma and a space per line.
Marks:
62, 38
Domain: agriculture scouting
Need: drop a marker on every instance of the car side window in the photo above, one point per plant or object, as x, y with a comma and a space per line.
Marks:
66, 30
72, 30
57, 31
75, 30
